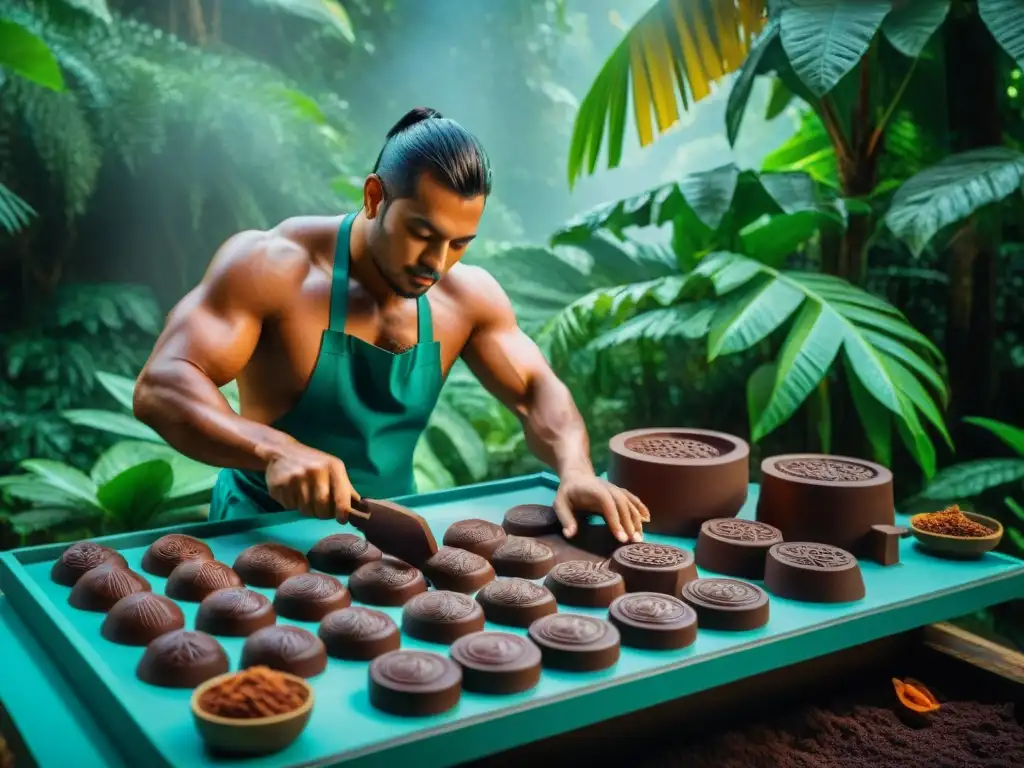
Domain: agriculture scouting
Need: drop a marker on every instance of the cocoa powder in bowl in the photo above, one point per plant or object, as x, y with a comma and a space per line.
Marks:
254, 692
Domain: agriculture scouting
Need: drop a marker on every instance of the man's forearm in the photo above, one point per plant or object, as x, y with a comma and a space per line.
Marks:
554, 429
188, 410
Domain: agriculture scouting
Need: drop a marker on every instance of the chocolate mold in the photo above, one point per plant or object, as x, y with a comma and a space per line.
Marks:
813, 572
684, 476
826, 499
735, 547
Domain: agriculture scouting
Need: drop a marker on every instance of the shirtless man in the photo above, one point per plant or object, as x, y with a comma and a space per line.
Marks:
339, 354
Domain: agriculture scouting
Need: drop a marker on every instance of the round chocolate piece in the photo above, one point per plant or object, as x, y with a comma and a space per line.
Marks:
388, 582
285, 648
516, 602
583, 583
497, 662
477, 536
414, 683
735, 547
458, 570
653, 621
684, 476
342, 553
234, 612
182, 659
310, 597
140, 618
441, 616
359, 634
523, 558
268, 565
195, 579
575, 643
168, 552
80, 558
728, 604
825, 499
653, 567
99, 588
531, 520
813, 573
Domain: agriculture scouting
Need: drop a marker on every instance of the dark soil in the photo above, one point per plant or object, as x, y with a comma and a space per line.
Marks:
866, 729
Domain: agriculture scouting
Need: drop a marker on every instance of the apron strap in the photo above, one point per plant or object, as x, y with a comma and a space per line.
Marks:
339, 276
424, 322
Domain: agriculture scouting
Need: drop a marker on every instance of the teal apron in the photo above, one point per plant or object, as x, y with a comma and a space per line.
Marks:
363, 404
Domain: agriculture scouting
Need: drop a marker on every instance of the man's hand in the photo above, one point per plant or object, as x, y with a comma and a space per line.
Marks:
313, 482
586, 493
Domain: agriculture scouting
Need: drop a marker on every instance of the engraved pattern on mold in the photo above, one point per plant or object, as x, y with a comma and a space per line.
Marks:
177, 546
524, 549
570, 629
388, 573
583, 572
515, 592
288, 642
150, 610
457, 562
830, 470
532, 513
742, 530
724, 592
183, 648
85, 556
410, 667
672, 447
651, 609
342, 545
475, 531
275, 558
813, 555
236, 601
656, 555
441, 606
310, 586
494, 649
357, 623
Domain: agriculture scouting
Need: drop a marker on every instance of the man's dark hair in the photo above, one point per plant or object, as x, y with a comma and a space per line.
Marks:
425, 141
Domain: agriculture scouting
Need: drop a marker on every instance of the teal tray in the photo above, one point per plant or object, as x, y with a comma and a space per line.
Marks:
153, 726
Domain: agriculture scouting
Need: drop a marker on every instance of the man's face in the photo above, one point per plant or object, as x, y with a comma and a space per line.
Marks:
418, 239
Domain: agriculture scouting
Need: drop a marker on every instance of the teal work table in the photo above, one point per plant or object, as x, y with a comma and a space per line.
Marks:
75, 701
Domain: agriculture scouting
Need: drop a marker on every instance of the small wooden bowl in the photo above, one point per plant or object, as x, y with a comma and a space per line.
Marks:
250, 736
959, 546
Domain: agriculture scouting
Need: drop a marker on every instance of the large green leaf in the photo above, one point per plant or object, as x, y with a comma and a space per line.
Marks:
805, 359
461, 438
121, 388
951, 191
911, 24
739, 94
1012, 436
67, 479
36, 490
135, 495
875, 418
331, 13
972, 478
97, 8
751, 315
808, 150
43, 519
429, 472
123, 455
1005, 20
27, 55
825, 39
120, 424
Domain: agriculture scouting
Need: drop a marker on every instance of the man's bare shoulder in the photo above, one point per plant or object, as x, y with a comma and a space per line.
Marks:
477, 293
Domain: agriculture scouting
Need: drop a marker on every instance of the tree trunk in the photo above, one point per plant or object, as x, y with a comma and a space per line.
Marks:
972, 85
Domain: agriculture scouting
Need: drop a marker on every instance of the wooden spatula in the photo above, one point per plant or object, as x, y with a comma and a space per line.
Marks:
397, 531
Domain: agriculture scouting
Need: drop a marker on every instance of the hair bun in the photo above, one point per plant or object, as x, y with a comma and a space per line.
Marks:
413, 116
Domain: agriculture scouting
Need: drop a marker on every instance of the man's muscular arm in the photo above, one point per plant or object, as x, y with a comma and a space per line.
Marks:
514, 370
207, 341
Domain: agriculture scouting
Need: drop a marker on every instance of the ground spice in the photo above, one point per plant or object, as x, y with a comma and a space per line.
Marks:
952, 522
253, 692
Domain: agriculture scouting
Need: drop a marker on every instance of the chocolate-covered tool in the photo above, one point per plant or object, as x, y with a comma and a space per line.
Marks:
394, 529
